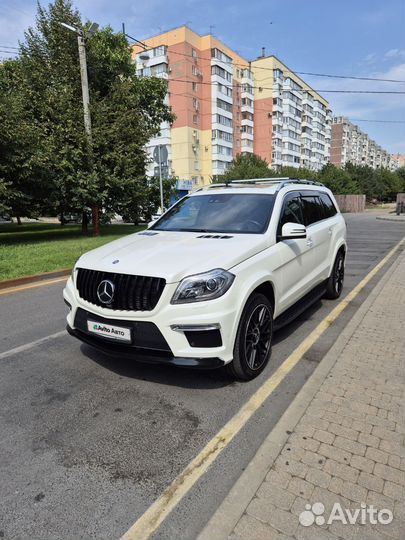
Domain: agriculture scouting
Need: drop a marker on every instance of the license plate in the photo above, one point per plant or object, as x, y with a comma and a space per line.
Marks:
109, 331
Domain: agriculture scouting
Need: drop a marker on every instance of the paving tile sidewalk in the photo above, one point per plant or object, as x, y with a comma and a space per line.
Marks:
347, 445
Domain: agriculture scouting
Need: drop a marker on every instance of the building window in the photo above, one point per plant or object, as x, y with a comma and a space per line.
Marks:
216, 70
158, 69
159, 51
223, 150
223, 135
194, 70
247, 116
193, 53
221, 104
247, 101
247, 129
194, 86
223, 120
219, 55
224, 90
195, 119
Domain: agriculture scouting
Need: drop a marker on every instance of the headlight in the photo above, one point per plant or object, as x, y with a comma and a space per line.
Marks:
201, 287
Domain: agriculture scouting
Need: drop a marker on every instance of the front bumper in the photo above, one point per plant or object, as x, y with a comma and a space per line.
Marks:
157, 335
147, 356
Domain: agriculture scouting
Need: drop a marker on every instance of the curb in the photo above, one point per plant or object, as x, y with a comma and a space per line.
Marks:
383, 218
222, 523
32, 279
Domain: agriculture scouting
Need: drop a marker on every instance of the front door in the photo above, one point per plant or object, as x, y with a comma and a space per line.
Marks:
294, 258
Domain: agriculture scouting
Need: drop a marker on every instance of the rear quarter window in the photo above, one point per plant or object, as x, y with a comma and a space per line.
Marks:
329, 207
313, 209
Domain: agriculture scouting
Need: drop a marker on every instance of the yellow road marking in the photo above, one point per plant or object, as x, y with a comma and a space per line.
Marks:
20, 288
147, 524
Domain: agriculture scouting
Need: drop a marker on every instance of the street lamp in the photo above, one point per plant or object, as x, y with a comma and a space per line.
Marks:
86, 100
83, 72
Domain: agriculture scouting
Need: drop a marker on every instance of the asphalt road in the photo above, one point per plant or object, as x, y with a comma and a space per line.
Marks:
89, 442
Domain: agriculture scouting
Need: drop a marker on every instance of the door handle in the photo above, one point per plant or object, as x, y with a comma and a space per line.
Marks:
330, 231
309, 242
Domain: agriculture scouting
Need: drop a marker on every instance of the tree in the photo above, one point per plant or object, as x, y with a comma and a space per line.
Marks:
389, 182
246, 166
144, 199
126, 112
22, 155
337, 180
401, 175
293, 172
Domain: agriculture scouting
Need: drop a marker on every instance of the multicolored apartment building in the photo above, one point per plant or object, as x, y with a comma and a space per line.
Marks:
351, 144
225, 105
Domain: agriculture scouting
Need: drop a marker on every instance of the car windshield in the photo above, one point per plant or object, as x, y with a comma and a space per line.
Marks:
219, 213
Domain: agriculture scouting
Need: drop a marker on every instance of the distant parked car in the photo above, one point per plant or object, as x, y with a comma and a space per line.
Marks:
77, 218
6, 219
70, 218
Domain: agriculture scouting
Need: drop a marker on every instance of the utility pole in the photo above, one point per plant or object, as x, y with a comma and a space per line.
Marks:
86, 106
87, 120
85, 85
160, 181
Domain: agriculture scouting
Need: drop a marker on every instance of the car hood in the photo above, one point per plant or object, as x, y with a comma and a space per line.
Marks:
172, 255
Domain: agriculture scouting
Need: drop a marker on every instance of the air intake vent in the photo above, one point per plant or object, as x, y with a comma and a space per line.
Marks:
131, 293
217, 236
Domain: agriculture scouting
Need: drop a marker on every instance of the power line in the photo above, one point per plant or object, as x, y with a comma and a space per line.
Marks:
318, 91
359, 92
289, 70
8, 47
380, 121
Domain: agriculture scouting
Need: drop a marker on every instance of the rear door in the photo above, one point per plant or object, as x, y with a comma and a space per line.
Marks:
318, 236
294, 260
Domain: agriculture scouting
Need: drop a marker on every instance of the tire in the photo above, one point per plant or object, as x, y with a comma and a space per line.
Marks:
255, 333
335, 282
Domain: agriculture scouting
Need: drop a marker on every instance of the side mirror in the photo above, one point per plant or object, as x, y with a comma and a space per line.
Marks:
292, 231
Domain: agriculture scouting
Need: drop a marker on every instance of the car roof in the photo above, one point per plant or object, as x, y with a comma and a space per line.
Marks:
262, 185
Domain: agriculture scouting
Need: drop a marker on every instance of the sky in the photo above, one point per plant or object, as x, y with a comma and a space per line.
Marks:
362, 38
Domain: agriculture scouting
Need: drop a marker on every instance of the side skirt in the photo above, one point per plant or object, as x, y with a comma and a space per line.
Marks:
299, 307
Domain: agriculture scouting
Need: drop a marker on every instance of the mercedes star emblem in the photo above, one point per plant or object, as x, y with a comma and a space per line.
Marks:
105, 291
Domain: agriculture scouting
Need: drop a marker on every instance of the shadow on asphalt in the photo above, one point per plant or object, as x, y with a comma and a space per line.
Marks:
286, 331
184, 377
159, 373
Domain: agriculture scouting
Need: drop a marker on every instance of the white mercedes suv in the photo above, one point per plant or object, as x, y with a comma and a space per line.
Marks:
208, 282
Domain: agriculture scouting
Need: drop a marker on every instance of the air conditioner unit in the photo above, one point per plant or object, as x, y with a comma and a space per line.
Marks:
194, 133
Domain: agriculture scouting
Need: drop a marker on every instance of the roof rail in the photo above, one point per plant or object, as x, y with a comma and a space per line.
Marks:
280, 182
259, 180
299, 181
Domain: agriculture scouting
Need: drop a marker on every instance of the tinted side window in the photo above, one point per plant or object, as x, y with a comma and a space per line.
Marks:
313, 210
291, 212
329, 207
